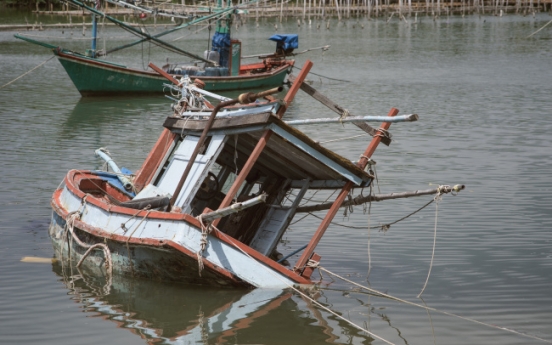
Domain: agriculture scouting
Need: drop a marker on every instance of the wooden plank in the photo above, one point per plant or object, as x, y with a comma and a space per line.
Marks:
320, 184
339, 110
275, 224
178, 124
307, 141
146, 172
356, 175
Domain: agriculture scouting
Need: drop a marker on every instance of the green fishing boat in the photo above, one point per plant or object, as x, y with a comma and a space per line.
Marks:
219, 68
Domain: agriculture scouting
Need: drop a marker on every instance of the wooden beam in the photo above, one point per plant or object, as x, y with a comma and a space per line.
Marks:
179, 124
263, 140
381, 197
302, 262
341, 111
164, 74
145, 174
297, 83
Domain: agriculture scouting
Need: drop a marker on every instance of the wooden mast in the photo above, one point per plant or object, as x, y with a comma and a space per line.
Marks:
302, 262
261, 144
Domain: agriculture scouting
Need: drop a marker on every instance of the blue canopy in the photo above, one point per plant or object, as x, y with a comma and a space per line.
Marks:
221, 44
286, 41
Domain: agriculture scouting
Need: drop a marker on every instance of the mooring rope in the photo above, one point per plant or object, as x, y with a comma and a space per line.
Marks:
205, 231
320, 305
75, 38
369, 234
69, 227
322, 76
24, 74
305, 216
383, 227
147, 209
545, 25
437, 198
382, 294
341, 139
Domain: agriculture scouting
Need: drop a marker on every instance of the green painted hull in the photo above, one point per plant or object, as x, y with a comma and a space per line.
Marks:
93, 77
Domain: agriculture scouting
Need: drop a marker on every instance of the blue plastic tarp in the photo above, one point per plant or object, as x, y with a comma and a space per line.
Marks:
112, 179
286, 41
221, 44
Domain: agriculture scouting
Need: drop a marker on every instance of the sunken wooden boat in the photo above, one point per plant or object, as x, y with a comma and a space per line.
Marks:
207, 205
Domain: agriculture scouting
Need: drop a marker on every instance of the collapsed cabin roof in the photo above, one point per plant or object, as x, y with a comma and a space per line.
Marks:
289, 153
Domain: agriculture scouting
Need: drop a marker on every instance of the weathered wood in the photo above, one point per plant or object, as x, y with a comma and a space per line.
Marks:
179, 124
320, 184
354, 119
237, 207
363, 161
339, 110
310, 269
163, 73
159, 150
381, 197
264, 140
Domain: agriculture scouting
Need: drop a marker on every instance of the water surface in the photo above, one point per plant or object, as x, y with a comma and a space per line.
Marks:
482, 91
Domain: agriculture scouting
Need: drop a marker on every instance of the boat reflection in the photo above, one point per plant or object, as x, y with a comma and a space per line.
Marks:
175, 314
109, 112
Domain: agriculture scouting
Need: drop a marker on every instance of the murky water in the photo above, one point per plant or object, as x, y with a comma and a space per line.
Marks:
483, 94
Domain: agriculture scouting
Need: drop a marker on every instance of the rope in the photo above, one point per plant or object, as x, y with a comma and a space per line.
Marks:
24, 74
69, 228
141, 221
340, 139
192, 32
369, 234
539, 29
383, 227
343, 115
382, 294
74, 38
305, 216
437, 198
205, 231
320, 305
382, 133
319, 75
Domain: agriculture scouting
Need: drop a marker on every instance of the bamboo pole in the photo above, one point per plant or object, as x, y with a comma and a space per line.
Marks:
337, 9
359, 200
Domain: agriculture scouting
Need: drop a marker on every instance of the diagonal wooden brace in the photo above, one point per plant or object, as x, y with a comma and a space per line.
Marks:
261, 144
363, 161
341, 111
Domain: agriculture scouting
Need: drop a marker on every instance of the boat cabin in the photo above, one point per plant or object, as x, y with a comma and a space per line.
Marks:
290, 160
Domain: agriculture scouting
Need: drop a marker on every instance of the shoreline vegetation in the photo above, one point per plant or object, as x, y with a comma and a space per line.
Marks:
303, 11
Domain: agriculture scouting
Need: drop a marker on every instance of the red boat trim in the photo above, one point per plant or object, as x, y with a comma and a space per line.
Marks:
105, 64
137, 241
145, 174
70, 184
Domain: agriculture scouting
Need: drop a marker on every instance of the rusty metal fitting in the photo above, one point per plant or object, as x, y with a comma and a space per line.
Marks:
199, 83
